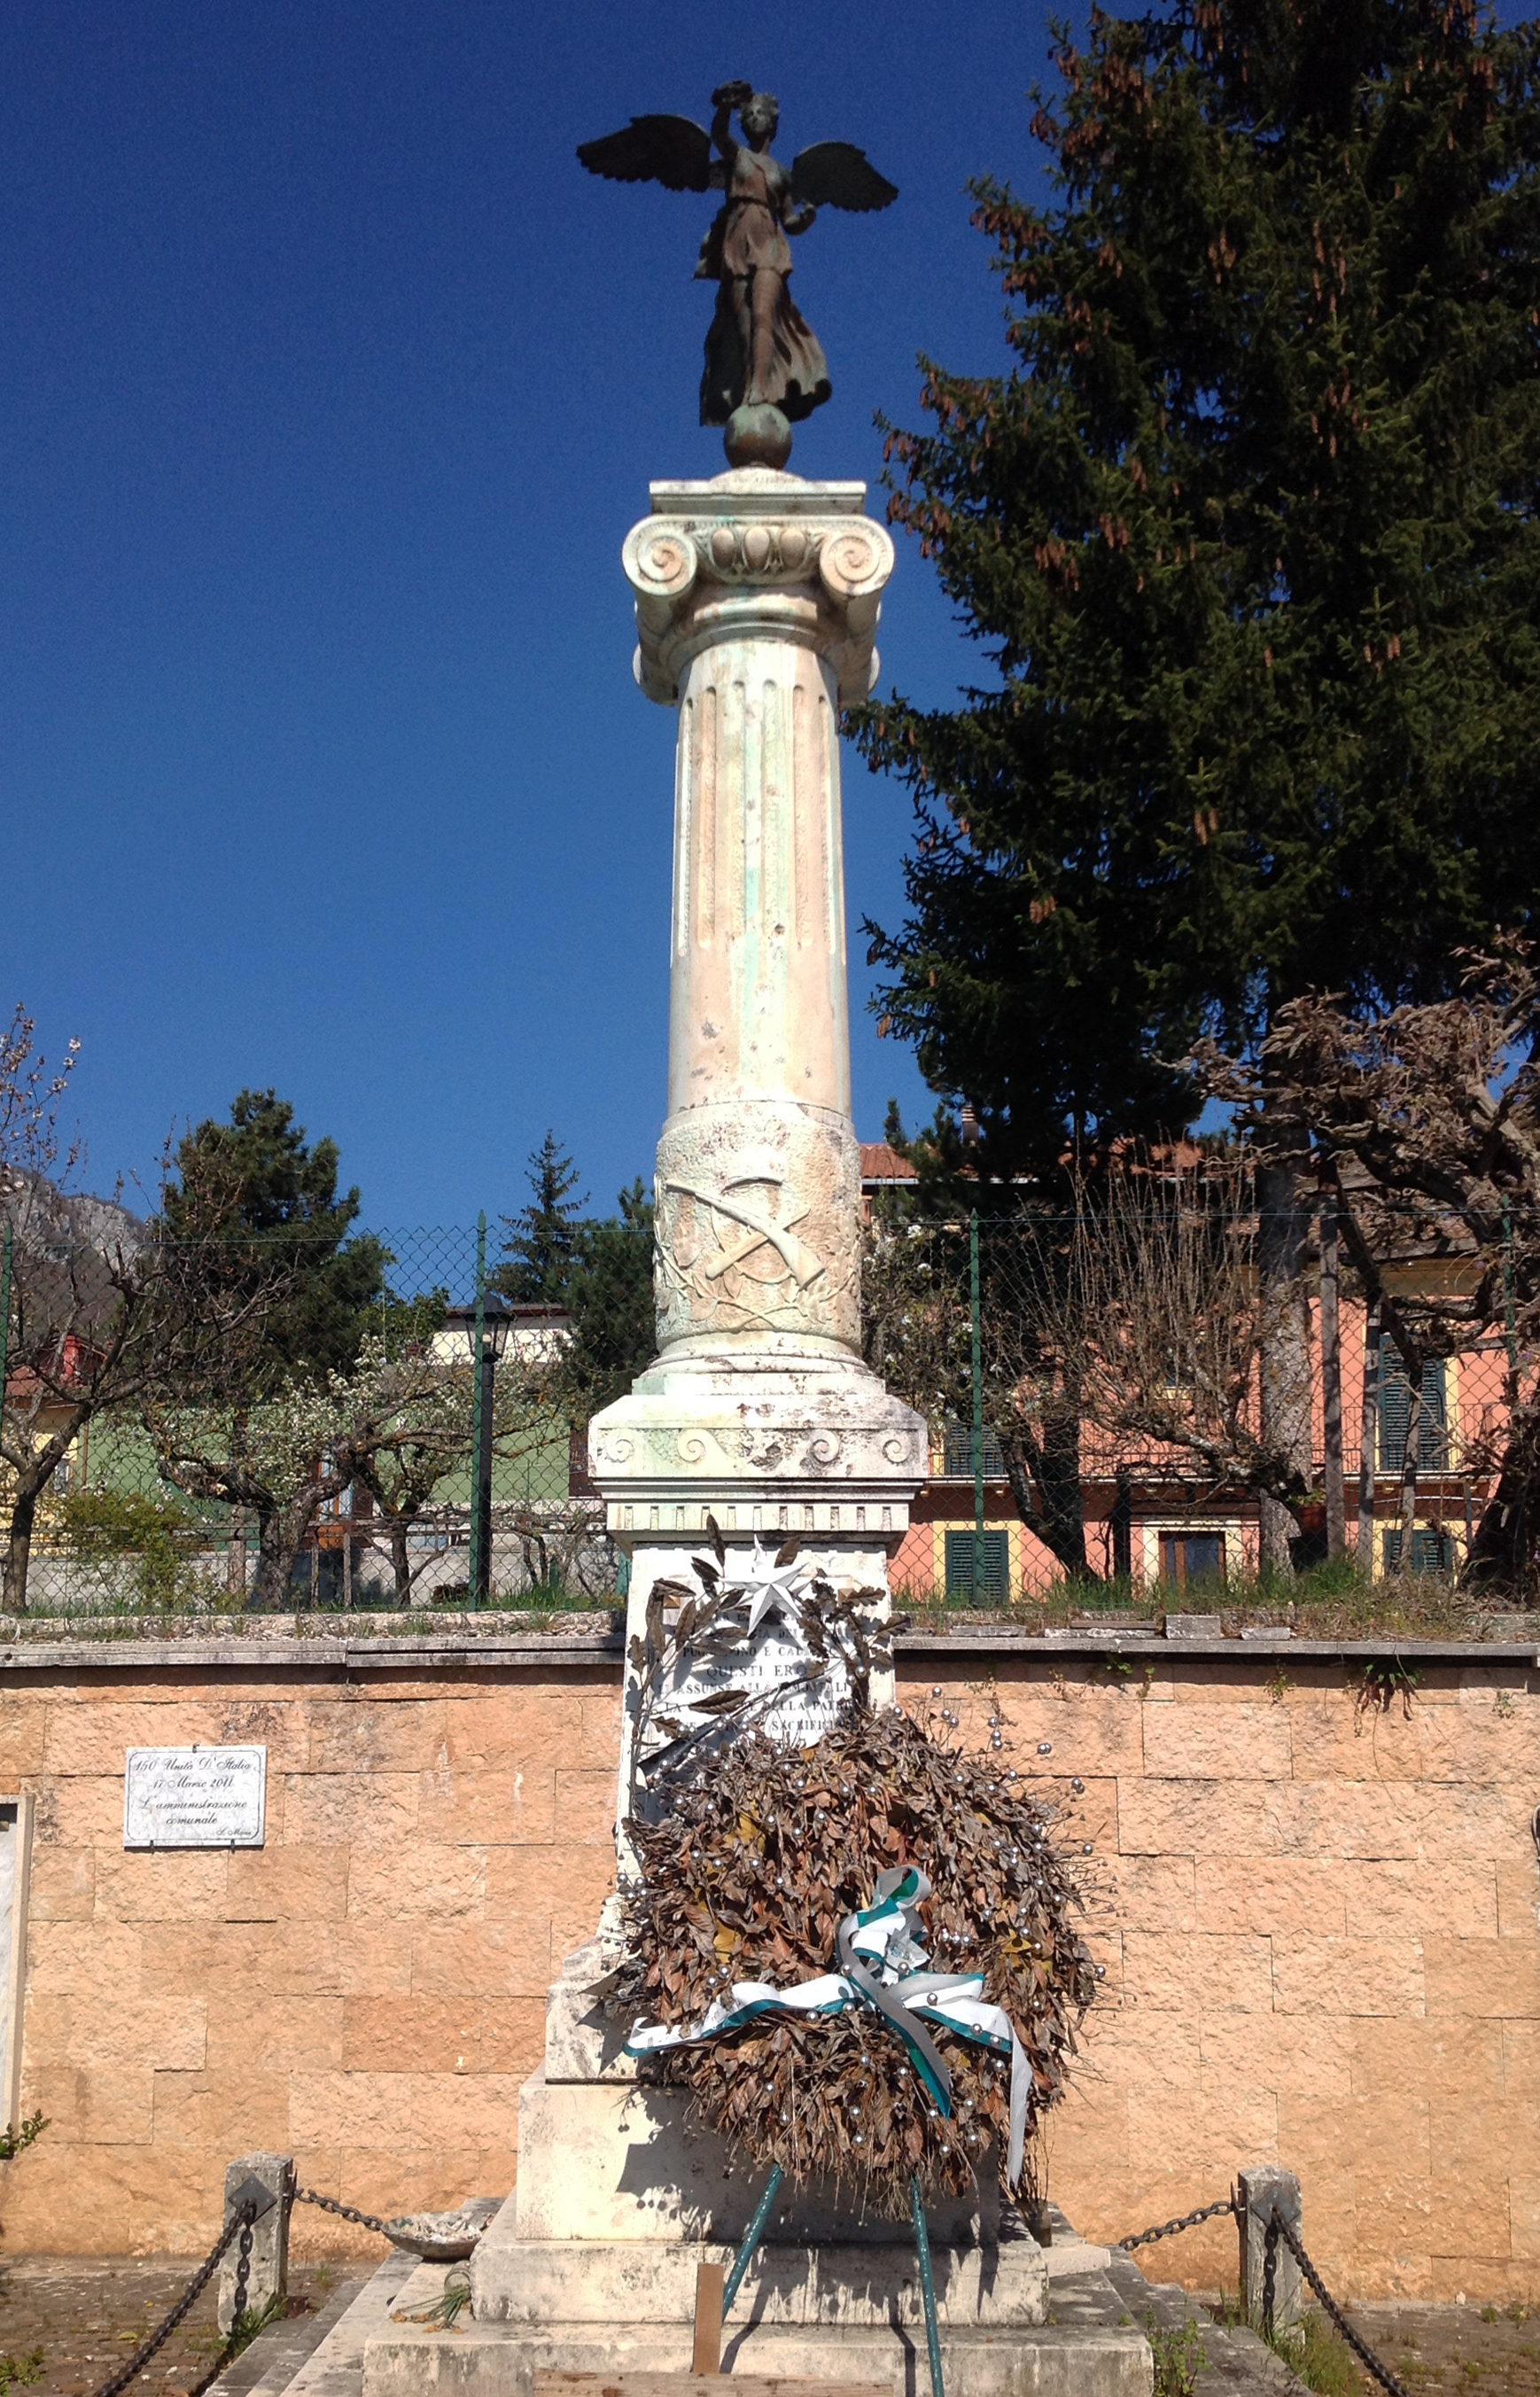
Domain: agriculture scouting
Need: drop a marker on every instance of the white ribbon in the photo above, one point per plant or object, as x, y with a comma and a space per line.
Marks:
883, 1933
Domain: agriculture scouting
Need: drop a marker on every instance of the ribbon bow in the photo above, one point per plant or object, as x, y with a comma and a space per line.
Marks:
879, 1950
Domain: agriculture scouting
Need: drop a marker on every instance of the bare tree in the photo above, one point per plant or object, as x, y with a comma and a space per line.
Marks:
918, 1317
1132, 1329
1427, 1121
1160, 1320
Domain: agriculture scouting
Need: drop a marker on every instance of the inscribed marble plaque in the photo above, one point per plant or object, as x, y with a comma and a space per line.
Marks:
195, 1797
776, 1658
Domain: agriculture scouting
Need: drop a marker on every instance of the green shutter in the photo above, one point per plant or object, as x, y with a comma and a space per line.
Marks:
1433, 1447
991, 1584
958, 1458
1432, 1552
1396, 1414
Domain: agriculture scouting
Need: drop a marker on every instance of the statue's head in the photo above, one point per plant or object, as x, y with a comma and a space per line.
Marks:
760, 117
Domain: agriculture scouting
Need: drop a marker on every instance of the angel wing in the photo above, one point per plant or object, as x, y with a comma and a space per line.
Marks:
838, 175
669, 150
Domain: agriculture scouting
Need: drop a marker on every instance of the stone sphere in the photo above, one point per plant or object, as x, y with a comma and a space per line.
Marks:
757, 437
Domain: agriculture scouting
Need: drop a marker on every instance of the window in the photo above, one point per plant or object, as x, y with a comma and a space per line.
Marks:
959, 1454
990, 1586
1396, 1413
1432, 1552
1190, 1558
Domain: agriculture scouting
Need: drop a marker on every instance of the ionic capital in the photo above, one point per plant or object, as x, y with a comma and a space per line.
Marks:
755, 555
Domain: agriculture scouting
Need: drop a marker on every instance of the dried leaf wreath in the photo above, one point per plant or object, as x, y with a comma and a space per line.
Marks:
763, 1849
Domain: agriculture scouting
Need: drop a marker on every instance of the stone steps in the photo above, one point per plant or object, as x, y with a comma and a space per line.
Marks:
837, 2312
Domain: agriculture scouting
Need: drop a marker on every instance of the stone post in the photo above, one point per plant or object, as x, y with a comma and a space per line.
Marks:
757, 602
1265, 2190
268, 2275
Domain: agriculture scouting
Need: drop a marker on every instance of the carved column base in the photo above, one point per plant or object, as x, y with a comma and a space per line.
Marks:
796, 1442
772, 1448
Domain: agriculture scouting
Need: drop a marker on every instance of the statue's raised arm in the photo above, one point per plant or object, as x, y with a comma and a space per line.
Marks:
765, 368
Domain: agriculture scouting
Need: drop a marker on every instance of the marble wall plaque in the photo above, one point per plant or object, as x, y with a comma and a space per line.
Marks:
195, 1797
775, 1660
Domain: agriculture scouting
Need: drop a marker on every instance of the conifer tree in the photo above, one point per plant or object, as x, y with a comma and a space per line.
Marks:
543, 1237
1249, 535
1248, 532
271, 1194
613, 1309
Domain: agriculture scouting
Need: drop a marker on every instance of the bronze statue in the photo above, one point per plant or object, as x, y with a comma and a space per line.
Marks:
763, 364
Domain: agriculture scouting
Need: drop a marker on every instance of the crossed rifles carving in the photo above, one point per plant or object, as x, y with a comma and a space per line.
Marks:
759, 1231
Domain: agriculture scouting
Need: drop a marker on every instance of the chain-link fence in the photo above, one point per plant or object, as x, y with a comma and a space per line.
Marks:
202, 1431
1115, 1395
1115, 1398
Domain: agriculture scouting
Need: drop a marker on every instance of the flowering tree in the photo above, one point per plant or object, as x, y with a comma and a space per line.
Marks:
394, 1423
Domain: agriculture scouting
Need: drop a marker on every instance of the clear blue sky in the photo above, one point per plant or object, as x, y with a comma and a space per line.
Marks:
330, 387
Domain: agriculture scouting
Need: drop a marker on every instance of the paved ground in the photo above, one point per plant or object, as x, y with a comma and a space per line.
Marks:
68, 2322
1450, 2349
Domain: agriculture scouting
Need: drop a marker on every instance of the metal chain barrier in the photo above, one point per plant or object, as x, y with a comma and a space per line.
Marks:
238, 2222
227, 2352
1365, 2353
1183, 2222
1274, 2229
335, 2205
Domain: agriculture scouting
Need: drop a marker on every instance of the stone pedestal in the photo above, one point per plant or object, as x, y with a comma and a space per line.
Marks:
590, 2266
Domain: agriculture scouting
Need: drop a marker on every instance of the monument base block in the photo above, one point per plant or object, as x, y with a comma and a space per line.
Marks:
591, 2265
607, 2158
1090, 2349
769, 1440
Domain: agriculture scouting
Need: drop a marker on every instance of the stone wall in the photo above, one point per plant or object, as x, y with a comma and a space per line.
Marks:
1318, 1920
366, 1992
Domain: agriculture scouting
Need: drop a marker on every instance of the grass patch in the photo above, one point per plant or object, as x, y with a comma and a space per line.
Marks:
1317, 2355
539, 1598
1314, 2353
21, 2371
1322, 1602
250, 2324
1179, 2356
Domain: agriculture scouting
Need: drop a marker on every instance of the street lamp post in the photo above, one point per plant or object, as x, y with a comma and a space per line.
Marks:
486, 1326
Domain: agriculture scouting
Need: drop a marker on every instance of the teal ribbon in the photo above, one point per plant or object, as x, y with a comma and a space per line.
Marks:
877, 1949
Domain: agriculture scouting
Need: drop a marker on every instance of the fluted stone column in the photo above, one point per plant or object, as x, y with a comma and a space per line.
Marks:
757, 602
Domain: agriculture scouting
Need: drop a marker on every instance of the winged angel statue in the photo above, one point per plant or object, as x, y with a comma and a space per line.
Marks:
765, 368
